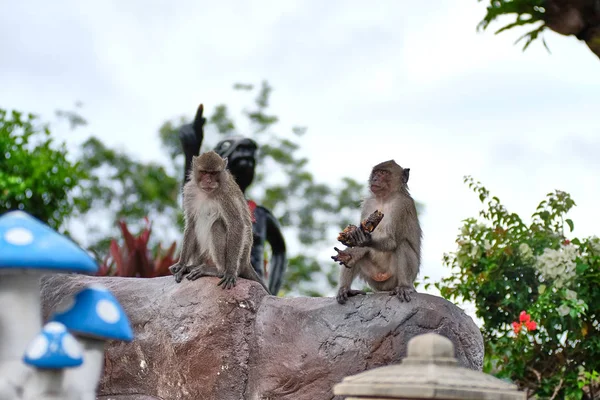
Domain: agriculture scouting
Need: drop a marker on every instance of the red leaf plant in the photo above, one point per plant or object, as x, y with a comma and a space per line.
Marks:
134, 258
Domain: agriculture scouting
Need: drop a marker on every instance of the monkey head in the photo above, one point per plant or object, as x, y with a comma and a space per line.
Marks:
241, 153
388, 177
208, 170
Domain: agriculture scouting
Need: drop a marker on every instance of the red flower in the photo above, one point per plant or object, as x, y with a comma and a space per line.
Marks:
517, 327
566, 242
524, 317
531, 325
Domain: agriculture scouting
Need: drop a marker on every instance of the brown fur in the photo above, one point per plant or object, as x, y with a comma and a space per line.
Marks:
389, 258
217, 238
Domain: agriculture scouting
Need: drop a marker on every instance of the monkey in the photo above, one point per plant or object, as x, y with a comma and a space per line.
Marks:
217, 237
389, 258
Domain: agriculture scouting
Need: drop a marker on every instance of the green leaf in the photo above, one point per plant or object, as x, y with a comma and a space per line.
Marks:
570, 223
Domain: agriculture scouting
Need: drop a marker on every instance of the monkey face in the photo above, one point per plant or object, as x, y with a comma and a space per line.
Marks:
380, 181
208, 181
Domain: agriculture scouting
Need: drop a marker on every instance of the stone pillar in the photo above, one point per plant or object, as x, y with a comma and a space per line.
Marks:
429, 371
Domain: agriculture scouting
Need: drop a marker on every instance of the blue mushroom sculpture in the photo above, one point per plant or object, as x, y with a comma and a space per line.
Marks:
28, 250
50, 352
94, 316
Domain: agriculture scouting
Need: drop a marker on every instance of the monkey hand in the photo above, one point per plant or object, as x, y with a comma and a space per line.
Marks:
345, 292
228, 281
403, 293
342, 257
178, 270
361, 238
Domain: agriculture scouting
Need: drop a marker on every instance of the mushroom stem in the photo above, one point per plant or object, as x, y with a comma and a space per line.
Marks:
20, 321
84, 380
45, 384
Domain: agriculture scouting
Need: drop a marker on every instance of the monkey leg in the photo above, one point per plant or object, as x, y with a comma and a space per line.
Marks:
408, 268
228, 281
179, 270
344, 293
202, 270
403, 293
224, 255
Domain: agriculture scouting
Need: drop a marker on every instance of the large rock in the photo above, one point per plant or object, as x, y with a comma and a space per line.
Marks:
194, 340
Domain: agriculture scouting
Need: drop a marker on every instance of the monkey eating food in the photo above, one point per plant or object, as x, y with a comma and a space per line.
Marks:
389, 257
217, 238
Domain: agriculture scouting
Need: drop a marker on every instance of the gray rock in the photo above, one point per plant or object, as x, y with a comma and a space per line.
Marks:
196, 341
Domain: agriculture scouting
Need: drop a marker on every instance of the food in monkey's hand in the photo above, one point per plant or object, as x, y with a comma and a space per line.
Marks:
370, 223
367, 225
345, 236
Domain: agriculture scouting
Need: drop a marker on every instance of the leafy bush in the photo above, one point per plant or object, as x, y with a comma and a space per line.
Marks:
537, 293
134, 258
35, 175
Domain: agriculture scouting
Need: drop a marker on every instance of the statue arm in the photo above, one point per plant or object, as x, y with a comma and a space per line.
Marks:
278, 262
191, 137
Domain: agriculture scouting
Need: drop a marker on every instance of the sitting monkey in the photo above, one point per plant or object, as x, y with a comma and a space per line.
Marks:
387, 259
218, 227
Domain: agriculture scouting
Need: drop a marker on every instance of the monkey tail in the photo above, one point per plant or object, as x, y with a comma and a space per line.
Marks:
250, 273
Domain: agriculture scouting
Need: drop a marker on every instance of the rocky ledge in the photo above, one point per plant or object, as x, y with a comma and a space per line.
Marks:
194, 340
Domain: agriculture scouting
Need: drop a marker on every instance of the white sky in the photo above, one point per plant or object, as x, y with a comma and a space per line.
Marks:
414, 79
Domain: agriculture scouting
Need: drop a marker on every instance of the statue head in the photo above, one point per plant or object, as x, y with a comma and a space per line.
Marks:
241, 158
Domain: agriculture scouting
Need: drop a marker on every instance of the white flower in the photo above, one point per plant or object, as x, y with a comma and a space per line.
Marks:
558, 265
479, 227
474, 251
595, 244
563, 310
541, 289
570, 295
525, 251
487, 245
464, 230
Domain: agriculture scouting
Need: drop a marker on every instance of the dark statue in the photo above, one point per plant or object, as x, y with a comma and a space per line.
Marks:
241, 155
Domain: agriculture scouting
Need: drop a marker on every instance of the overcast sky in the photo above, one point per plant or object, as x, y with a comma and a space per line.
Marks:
413, 79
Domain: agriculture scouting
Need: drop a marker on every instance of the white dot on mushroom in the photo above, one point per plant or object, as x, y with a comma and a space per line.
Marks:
37, 348
55, 327
18, 236
71, 347
107, 311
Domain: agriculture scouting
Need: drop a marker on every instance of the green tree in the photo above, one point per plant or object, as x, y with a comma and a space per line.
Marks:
536, 292
579, 18
35, 174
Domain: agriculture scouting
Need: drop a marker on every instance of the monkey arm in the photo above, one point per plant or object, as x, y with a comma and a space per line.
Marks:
278, 263
386, 243
189, 245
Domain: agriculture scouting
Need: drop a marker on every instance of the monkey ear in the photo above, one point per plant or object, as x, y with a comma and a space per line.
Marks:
405, 174
225, 163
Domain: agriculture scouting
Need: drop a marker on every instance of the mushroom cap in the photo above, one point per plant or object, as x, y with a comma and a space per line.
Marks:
94, 312
27, 243
54, 348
